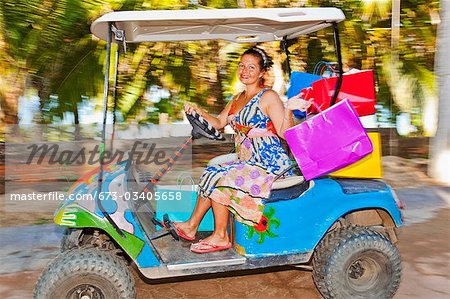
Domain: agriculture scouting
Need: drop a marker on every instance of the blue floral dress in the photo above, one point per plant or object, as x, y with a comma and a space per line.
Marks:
242, 185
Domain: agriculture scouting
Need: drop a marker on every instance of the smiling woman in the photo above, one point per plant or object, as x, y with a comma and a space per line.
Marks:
259, 119
254, 61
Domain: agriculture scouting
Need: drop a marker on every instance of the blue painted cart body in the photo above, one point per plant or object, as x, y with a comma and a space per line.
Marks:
302, 222
292, 226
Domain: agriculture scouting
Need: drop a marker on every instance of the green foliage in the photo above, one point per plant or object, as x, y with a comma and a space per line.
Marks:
61, 59
49, 44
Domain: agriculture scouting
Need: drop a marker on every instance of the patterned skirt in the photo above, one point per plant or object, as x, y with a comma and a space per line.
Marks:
240, 186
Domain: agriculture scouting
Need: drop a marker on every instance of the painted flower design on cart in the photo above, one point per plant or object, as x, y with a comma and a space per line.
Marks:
263, 228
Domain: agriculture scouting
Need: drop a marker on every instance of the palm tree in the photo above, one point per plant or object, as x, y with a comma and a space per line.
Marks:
404, 64
440, 144
48, 45
12, 77
411, 78
64, 62
191, 71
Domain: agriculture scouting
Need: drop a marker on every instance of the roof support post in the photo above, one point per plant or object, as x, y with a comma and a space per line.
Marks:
116, 73
102, 145
285, 46
119, 36
337, 44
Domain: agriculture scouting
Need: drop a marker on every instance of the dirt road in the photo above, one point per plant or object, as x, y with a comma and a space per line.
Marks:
424, 246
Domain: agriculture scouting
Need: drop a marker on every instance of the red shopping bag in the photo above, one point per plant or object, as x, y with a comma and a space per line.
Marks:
358, 87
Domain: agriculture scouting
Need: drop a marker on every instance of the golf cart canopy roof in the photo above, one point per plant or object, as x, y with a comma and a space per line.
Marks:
236, 25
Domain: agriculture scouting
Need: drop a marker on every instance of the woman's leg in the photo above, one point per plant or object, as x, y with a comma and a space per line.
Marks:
190, 226
219, 236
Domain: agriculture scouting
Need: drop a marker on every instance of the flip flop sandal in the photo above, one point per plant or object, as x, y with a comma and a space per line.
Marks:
205, 247
180, 232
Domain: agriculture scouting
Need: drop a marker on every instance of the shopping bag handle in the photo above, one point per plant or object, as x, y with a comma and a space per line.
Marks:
307, 94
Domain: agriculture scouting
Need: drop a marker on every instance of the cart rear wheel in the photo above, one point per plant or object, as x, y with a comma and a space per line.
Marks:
356, 262
86, 274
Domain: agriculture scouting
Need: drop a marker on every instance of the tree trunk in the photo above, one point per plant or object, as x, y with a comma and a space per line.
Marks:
77, 122
216, 88
439, 167
10, 109
14, 83
43, 87
241, 4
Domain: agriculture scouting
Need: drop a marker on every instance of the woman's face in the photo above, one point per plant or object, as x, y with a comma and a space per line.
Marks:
249, 69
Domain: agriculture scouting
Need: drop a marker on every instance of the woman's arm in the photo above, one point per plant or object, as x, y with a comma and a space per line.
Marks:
217, 122
272, 106
281, 117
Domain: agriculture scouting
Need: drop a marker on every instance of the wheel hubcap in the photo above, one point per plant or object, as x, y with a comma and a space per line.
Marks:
356, 270
86, 291
363, 274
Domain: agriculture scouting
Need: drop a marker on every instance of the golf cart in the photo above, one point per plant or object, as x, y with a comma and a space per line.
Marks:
345, 229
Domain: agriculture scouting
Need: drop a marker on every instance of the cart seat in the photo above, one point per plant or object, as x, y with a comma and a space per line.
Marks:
278, 184
287, 182
289, 188
223, 159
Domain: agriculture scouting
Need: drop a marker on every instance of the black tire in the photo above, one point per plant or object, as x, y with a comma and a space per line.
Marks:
356, 262
91, 272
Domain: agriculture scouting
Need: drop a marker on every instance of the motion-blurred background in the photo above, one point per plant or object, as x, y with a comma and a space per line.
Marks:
52, 67
51, 92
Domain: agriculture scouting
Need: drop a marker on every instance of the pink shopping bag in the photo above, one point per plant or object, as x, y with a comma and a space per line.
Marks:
329, 141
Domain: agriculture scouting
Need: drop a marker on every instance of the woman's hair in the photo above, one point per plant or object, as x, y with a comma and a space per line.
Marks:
265, 61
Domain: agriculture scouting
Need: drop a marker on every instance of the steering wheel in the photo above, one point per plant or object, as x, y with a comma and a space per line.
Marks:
201, 127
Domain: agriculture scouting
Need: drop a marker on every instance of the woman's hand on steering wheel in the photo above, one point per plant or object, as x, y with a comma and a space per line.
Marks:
200, 126
189, 108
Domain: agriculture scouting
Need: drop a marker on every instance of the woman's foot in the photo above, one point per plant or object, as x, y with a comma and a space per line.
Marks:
185, 230
215, 242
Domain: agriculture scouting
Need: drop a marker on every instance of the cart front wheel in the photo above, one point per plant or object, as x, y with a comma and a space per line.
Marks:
86, 274
356, 262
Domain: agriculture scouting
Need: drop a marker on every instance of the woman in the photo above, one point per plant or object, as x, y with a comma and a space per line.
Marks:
259, 120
